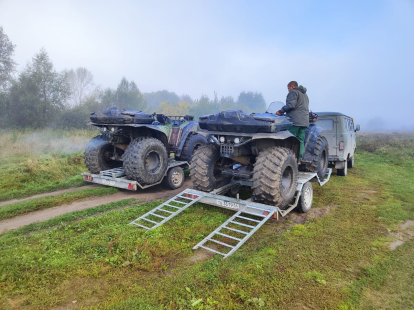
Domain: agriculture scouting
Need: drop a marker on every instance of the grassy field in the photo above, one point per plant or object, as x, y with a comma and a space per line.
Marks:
337, 259
35, 162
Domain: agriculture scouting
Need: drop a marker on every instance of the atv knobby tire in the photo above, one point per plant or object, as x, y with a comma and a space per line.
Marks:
319, 163
205, 168
275, 177
98, 153
145, 160
193, 142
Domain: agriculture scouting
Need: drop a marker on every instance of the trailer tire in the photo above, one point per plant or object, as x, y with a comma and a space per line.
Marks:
306, 198
193, 142
275, 176
174, 178
205, 168
145, 160
98, 153
319, 163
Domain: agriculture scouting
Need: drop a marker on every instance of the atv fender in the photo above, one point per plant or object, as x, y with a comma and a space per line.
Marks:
285, 138
189, 128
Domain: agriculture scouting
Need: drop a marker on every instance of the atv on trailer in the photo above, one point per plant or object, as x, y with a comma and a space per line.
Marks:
141, 144
260, 148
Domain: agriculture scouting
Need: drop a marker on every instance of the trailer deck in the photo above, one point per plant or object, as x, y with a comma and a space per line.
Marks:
229, 236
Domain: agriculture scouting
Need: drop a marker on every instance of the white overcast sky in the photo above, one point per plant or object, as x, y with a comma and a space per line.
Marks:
355, 57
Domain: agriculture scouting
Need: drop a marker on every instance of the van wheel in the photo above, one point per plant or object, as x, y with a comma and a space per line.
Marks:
275, 177
350, 162
342, 172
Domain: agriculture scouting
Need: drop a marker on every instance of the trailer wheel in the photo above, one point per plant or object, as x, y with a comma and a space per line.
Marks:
174, 178
306, 198
193, 142
206, 166
145, 160
98, 153
319, 163
350, 162
275, 176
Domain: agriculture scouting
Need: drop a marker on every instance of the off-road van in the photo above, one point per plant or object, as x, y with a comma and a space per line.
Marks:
340, 131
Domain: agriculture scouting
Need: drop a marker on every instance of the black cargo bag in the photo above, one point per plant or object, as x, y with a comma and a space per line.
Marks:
114, 116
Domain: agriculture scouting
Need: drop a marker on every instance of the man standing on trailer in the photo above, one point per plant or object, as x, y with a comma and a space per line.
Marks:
297, 109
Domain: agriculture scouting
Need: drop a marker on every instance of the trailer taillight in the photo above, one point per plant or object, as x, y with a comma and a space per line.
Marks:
191, 196
90, 178
85, 177
131, 186
341, 145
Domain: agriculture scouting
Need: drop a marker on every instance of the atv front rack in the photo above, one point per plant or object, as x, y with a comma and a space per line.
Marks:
229, 236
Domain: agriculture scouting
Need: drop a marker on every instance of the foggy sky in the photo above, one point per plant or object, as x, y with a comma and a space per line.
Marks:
354, 57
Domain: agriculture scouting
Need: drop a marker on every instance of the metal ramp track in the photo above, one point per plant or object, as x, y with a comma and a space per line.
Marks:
166, 211
242, 229
113, 173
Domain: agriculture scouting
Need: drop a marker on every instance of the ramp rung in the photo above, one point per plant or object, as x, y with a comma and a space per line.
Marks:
171, 206
140, 225
158, 215
240, 231
145, 219
247, 218
184, 203
163, 210
222, 243
238, 223
210, 249
224, 235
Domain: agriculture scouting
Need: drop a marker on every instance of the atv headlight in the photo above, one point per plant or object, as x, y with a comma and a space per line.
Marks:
104, 129
112, 129
236, 140
222, 139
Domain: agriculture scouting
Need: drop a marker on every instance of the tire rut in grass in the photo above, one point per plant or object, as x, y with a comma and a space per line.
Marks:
157, 192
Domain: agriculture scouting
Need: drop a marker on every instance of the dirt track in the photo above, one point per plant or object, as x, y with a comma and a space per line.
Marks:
158, 192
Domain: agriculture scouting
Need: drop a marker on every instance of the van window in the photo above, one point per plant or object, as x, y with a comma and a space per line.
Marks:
326, 124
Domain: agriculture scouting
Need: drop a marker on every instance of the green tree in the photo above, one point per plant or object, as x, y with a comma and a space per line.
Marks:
128, 96
155, 98
7, 65
37, 97
253, 101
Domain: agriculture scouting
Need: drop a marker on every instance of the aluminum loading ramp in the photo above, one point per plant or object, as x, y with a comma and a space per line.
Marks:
229, 236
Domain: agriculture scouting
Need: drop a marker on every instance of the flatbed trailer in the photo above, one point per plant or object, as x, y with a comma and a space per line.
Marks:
173, 177
249, 216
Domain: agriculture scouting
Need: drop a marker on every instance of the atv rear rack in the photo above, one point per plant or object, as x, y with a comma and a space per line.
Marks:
249, 216
116, 177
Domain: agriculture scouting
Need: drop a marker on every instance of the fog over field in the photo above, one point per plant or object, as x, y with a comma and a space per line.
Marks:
353, 57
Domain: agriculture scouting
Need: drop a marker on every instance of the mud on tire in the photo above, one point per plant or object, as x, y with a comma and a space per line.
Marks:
319, 163
98, 153
275, 176
145, 160
205, 168
193, 142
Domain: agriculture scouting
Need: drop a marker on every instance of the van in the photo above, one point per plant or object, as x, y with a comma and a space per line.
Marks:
340, 131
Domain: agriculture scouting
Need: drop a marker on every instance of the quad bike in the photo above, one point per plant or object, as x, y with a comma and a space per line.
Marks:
142, 144
260, 148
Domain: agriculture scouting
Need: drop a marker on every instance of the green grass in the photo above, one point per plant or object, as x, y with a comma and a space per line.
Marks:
339, 261
34, 162
14, 209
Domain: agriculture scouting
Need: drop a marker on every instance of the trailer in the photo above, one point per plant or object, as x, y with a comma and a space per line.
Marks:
173, 177
249, 216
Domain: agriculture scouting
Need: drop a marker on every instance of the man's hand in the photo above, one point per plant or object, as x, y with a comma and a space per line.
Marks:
280, 113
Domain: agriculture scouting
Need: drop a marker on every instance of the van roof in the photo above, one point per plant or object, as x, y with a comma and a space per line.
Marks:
331, 114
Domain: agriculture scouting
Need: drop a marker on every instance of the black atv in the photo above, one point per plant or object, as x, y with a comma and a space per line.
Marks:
141, 143
257, 147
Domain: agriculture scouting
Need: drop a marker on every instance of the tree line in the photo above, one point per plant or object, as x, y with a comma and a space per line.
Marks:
39, 96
